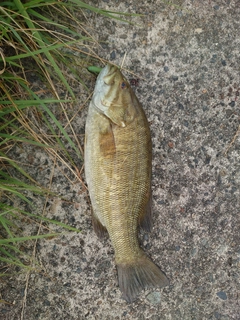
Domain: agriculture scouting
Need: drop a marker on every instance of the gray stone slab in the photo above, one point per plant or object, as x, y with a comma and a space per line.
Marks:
186, 72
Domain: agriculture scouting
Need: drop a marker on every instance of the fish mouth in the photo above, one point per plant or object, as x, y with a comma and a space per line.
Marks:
110, 74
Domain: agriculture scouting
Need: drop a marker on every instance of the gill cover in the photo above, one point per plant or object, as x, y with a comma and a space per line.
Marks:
113, 96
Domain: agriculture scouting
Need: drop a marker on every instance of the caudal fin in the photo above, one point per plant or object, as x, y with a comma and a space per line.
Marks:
142, 273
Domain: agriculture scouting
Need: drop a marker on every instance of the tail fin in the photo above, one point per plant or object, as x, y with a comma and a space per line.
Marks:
140, 274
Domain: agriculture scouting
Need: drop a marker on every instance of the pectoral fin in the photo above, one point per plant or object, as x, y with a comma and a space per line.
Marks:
121, 115
107, 143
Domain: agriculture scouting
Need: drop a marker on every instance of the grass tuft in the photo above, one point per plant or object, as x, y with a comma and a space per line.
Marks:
40, 41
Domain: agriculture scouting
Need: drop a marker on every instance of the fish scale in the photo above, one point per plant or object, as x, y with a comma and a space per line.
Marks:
118, 173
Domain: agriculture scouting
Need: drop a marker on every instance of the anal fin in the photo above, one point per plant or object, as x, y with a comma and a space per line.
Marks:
145, 221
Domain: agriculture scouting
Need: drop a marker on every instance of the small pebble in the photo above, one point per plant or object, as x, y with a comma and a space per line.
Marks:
154, 297
165, 68
194, 252
205, 108
232, 104
46, 303
78, 270
113, 55
175, 78
214, 58
222, 295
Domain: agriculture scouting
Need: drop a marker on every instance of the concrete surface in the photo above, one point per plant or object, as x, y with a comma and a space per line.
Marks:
188, 55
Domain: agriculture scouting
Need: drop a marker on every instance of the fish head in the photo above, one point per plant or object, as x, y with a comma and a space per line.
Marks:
113, 96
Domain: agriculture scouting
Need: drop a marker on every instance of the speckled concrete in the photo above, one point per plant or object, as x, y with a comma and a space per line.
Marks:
188, 55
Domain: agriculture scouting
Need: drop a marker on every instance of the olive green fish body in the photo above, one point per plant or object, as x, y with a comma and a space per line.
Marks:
118, 173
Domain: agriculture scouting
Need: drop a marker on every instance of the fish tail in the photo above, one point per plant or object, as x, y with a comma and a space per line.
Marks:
135, 276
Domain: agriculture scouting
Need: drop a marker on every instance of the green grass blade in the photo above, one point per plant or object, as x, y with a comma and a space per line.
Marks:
51, 221
4, 224
34, 53
41, 44
19, 239
58, 124
20, 139
14, 262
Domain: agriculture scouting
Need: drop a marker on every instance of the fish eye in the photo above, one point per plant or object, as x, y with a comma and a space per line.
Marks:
123, 85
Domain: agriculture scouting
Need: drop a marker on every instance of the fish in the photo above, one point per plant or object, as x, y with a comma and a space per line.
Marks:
118, 169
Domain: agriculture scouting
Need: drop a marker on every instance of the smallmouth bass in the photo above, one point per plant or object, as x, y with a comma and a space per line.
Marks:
118, 165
